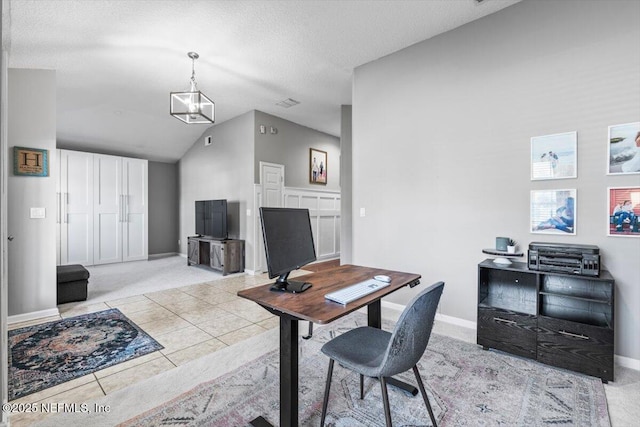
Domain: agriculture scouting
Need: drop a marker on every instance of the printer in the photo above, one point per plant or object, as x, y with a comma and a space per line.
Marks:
583, 260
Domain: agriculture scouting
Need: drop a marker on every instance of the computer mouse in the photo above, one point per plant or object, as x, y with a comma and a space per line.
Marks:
382, 278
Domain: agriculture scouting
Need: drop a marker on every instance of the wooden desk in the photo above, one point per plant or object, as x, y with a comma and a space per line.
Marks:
312, 306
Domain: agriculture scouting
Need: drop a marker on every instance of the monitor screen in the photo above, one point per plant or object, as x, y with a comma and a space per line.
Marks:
288, 240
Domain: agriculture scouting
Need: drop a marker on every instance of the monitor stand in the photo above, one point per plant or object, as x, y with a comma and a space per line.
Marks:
292, 286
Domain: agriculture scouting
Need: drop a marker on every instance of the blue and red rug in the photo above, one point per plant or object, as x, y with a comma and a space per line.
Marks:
49, 354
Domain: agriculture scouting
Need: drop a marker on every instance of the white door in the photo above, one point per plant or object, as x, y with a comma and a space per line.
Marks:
108, 207
134, 223
272, 182
75, 207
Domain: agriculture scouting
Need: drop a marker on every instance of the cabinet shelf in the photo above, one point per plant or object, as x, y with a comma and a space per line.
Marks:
509, 304
578, 298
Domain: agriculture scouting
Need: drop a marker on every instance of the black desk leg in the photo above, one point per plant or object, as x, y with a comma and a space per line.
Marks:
288, 372
288, 375
374, 319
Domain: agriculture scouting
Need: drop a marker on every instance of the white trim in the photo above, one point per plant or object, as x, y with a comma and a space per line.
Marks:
313, 190
182, 255
456, 321
163, 255
627, 362
25, 317
251, 272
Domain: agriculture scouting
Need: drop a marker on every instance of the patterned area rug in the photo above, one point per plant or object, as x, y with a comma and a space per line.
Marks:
466, 386
46, 355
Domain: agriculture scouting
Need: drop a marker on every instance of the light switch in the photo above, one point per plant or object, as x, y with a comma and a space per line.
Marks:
38, 213
248, 212
362, 213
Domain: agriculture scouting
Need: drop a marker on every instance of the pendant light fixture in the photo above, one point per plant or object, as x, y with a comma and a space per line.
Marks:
192, 106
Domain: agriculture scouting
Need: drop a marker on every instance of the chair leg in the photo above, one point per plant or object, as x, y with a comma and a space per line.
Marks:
361, 386
325, 402
385, 401
424, 395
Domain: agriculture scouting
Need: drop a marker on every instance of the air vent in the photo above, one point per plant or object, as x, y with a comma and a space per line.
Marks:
289, 102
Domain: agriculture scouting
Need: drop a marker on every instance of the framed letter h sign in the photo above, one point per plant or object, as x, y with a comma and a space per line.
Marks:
30, 161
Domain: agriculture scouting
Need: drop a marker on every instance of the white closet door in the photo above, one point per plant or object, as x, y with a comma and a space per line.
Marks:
135, 224
108, 209
75, 210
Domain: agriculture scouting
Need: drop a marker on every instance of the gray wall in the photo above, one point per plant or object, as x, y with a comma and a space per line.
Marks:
222, 170
32, 253
346, 189
449, 123
164, 218
290, 147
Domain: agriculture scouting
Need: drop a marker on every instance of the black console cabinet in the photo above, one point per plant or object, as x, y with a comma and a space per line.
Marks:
558, 319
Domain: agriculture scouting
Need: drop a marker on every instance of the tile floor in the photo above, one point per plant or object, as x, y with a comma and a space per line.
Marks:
190, 322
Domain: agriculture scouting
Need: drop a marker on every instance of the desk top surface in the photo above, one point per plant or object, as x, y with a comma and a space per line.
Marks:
311, 304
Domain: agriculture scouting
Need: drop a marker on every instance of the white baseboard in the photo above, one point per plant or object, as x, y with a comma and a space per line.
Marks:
456, 321
251, 272
164, 255
25, 317
627, 362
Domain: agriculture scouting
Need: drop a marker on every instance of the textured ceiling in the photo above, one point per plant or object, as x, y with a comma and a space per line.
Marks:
117, 61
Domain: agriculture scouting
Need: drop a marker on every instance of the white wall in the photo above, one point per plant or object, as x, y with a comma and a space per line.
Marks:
441, 144
32, 253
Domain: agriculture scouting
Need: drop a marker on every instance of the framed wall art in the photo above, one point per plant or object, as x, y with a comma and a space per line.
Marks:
30, 161
553, 211
623, 149
623, 211
317, 166
554, 156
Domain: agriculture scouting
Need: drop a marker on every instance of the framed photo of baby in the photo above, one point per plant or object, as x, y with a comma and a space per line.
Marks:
554, 156
623, 216
317, 166
624, 149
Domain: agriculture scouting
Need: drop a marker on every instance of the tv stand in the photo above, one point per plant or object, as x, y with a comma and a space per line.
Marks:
226, 255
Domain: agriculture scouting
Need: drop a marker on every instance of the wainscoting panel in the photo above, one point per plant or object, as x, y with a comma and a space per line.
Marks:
324, 210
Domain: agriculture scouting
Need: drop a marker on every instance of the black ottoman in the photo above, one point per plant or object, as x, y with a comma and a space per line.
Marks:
72, 283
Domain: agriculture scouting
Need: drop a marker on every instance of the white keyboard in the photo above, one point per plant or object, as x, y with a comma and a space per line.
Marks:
354, 292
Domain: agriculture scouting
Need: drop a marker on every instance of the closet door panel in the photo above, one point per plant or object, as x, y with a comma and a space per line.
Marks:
135, 224
75, 208
108, 209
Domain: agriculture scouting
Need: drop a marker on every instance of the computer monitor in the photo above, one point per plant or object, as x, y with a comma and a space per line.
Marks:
288, 244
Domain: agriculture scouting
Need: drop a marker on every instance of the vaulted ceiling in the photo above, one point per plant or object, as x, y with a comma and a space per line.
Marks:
116, 61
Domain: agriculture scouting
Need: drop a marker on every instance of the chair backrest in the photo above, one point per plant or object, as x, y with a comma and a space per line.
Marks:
411, 334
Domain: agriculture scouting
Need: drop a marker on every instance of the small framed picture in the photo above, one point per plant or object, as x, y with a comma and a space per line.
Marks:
623, 215
317, 166
553, 211
554, 156
623, 148
30, 161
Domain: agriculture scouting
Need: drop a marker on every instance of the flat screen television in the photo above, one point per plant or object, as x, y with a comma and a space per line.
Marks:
288, 244
211, 218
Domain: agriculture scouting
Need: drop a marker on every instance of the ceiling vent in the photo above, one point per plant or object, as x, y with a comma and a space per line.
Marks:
287, 103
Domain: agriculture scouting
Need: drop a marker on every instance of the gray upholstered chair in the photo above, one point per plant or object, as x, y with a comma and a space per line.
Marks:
379, 354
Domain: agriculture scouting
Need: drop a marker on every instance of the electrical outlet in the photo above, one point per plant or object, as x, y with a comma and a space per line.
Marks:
362, 213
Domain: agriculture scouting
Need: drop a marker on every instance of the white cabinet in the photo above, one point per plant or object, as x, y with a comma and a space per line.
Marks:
120, 209
75, 208
111, 192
